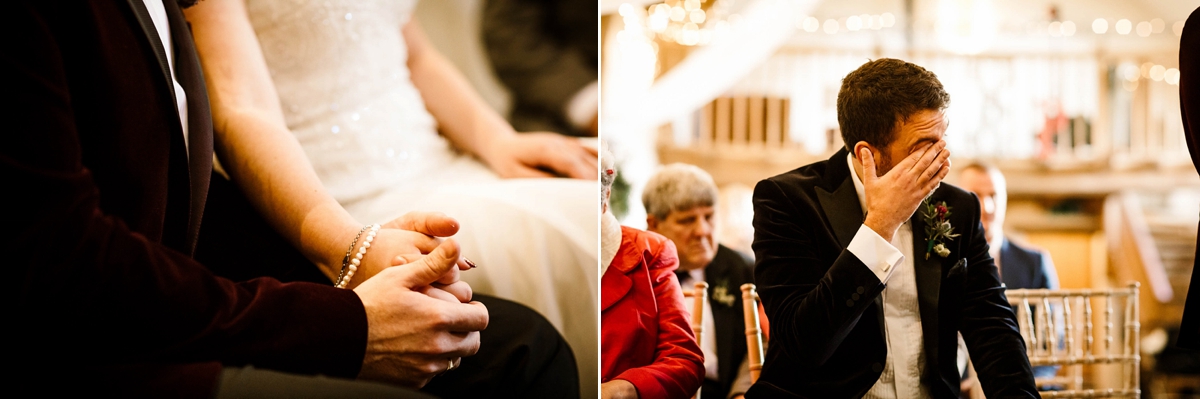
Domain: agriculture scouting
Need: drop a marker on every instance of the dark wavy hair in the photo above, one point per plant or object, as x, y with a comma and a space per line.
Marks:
879, 95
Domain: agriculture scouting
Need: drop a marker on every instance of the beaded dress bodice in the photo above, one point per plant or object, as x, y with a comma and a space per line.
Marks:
340, 69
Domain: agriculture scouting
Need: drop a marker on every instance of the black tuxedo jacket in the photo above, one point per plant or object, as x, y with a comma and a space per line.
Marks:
103, 211
824, 304
1189, 104
729, 269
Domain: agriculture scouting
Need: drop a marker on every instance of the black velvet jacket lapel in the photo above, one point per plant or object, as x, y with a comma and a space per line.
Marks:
200, 128
199, 148
929, 284
839, 201
147, 24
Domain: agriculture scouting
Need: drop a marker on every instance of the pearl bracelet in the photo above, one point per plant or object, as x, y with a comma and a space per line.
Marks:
350, 264
346, 259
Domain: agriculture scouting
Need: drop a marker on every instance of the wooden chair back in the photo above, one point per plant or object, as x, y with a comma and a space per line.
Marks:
699, 294
1060, 328
754, 340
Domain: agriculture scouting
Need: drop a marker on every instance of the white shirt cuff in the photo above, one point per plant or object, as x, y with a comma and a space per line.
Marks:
583, 106
878, 254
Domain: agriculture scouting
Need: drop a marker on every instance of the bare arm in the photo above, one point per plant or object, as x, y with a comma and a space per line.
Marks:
264, 158
477, 129
461, 114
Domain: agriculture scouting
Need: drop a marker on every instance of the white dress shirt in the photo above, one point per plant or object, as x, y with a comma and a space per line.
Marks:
158, 13
905, 363
708, 341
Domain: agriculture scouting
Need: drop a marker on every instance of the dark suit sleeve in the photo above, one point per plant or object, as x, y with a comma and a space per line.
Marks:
811, 304
89, 291
1189, 107
1189, 90
678, 367
987, 322
538, 69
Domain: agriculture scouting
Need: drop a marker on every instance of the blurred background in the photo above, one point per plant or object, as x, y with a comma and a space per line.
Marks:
1075, 101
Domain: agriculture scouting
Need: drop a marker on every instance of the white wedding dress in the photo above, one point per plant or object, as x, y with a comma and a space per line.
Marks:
340, 71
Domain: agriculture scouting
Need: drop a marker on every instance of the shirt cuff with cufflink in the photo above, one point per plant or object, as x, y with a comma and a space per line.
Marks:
878, 254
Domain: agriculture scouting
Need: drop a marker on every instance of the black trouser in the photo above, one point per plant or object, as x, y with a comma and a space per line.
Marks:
713, 390
249, 382
521, 355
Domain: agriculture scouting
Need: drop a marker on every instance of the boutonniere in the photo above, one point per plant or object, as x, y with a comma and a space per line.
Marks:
721, 294
937, 228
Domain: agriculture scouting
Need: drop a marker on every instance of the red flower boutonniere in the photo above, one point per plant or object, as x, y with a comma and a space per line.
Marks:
937, 228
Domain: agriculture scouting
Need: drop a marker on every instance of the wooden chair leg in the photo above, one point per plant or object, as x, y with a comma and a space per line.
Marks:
754, 344
699, 295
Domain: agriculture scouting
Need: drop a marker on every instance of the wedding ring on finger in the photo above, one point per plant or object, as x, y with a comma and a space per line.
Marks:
451, 365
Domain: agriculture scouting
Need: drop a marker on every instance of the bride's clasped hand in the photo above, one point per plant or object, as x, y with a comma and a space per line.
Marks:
400, 241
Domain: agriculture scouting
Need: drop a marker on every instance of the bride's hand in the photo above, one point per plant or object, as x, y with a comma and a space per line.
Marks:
414, 233
541, 154
432, 224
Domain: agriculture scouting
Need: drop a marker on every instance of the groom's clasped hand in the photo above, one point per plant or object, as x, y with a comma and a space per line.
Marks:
427, 321
893, 197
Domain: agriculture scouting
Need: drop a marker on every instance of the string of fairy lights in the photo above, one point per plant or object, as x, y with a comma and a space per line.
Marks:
699, 22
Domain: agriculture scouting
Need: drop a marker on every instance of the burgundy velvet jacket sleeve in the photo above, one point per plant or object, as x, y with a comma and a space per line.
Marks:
90, 293
678, 366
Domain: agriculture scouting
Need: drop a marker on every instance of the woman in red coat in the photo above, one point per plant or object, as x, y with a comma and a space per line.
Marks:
647, 346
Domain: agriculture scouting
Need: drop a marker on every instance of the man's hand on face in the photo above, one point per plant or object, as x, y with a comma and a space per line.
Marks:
893, 197
413, 336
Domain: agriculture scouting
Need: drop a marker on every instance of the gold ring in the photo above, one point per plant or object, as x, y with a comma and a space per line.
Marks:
451, 366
